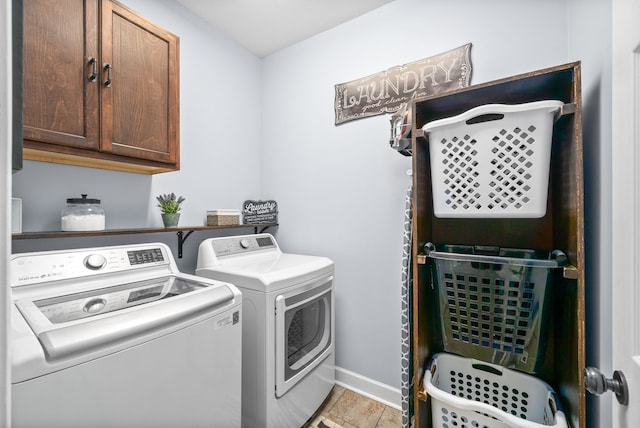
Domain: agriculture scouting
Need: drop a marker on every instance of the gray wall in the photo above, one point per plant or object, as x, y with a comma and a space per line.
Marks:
220, 122
5, 193
341, 188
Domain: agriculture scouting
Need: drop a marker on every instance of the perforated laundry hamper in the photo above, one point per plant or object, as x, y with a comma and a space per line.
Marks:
494, 302
467, 393
492, 161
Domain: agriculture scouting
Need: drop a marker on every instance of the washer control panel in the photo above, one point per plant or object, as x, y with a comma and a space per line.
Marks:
37, 268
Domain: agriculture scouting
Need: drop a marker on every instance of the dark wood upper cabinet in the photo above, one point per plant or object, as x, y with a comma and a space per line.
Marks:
16, 58
101, 87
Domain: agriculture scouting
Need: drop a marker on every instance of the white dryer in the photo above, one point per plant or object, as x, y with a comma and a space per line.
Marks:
118, 337
288, 362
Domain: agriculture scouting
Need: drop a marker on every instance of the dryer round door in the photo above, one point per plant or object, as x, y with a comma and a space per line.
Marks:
303, 331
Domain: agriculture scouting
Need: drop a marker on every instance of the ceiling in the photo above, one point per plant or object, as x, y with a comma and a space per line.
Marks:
266, 26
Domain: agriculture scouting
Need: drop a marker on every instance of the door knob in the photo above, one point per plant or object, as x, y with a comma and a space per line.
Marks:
596, 383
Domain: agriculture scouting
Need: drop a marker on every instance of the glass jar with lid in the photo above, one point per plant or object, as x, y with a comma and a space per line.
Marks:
82, 214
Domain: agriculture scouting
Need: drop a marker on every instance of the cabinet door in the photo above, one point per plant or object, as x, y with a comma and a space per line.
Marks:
60, 103
140, 105
16, 69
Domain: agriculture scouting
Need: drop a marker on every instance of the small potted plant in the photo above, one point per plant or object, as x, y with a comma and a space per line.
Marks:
170, 208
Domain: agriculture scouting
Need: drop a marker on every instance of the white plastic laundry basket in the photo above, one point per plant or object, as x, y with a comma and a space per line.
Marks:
492, 161
467, 393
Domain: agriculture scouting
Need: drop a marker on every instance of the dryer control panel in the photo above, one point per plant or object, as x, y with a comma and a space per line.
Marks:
243, 244
37, 268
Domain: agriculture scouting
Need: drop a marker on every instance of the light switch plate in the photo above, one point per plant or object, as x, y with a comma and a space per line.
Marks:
16, 215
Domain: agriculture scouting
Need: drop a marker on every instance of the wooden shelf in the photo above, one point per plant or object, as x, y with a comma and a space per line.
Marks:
180, 231
58, 234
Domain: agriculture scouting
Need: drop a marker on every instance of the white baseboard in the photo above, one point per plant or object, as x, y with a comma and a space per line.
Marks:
369, 388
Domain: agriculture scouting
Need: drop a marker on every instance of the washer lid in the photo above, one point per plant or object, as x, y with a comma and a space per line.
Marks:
84, 321
268, 271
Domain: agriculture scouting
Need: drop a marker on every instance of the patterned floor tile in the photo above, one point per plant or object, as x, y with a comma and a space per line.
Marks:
358, 410
344, 408
391, 418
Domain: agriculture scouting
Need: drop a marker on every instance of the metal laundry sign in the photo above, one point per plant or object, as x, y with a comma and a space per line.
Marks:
259, 212
384, 92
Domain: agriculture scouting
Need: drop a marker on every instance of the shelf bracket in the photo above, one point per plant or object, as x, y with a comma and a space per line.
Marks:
570, 272
568, 108
255, 229
181, 239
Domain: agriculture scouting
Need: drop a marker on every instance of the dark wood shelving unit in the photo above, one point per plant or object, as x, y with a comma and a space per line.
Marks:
562, 227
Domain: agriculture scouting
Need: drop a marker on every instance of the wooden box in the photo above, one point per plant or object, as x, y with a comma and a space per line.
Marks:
223, 217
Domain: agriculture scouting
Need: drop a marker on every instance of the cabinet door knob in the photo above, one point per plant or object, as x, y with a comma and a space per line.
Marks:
94, 69
107, 68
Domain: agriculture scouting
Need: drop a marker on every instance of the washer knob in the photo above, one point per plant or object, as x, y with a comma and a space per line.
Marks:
94, 305
244, 243
95, 261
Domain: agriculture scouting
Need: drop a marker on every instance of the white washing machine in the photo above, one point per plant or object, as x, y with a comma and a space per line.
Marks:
288, 362
118, 337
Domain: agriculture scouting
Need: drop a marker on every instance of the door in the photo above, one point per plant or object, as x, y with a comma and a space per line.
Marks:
626, 206
60, 95
140, 105
304, 331
5, 215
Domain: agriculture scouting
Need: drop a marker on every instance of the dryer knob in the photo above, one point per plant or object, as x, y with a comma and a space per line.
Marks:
95, 261
244, 243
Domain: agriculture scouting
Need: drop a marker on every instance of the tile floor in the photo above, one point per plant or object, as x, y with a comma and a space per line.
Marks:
344, 408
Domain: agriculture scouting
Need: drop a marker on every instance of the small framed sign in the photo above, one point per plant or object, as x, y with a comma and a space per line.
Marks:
257, 212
